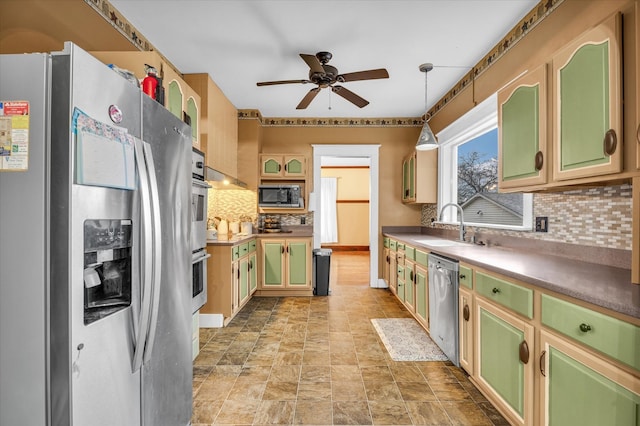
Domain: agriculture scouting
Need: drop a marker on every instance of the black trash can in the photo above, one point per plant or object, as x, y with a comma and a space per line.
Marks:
321, 267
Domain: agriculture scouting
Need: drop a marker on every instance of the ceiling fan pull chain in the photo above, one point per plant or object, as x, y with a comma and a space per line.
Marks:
330, 99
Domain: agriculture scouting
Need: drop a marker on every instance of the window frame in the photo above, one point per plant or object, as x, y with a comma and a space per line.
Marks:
479, 120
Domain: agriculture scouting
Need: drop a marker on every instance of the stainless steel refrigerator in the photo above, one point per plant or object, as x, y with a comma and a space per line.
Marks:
95, 257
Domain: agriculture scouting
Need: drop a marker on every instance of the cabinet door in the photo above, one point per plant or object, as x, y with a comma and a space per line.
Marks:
294, 166
393, 267
194, 115
504, 365
588, 104
409, 284
273, 263
400, 281
243, 280
235, 287
522, 118
174, 99
271, 165
581, 389
298, 270
422, 295
409, 179
465, 332
253, 272
385, 265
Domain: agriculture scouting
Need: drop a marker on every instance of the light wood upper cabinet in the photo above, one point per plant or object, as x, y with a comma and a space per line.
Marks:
587, 97
522, 124
420, 177
180, 98
219, 125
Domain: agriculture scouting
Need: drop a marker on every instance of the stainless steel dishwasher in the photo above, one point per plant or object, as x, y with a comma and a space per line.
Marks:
443, 305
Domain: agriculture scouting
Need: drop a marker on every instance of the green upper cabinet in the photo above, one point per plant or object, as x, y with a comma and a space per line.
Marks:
522, 132
420, 177
587, 93
192, 111
174, 99
585, 390
283, 166
408, 179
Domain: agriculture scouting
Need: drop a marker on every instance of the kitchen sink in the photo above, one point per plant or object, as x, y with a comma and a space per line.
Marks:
441, 243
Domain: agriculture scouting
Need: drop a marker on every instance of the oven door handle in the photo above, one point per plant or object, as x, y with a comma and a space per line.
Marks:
200, 258
200, 183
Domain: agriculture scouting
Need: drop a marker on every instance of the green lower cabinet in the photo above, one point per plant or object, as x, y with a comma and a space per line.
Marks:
273, 263
401, 284
286, 263
409, 277
502, 369
422, 295
578, 391
298, 274
243, 270
253, 272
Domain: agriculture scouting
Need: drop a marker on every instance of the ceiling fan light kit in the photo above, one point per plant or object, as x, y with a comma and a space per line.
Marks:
426, 140
324, 75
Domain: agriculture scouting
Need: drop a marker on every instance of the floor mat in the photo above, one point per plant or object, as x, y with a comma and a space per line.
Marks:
406, 340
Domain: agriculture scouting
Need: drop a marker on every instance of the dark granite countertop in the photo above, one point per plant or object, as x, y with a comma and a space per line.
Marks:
605, 286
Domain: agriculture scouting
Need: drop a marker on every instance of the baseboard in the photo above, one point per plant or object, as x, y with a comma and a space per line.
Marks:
211, 320
346, 248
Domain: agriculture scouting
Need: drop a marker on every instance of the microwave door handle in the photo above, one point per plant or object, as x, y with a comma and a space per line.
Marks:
157, 251
145, 259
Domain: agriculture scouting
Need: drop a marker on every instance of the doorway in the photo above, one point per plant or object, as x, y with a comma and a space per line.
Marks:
371, 153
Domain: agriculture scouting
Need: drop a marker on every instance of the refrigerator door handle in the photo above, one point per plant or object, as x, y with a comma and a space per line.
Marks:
157, 250
146, 260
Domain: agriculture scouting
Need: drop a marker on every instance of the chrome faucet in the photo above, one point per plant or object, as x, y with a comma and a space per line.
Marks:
463, 230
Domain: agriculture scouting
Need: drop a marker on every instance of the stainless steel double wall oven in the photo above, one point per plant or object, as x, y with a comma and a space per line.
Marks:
199, 253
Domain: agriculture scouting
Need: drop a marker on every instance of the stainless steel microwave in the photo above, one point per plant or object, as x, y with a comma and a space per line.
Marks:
280, 196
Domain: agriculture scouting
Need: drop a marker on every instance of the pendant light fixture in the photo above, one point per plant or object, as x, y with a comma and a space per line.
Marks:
427, 139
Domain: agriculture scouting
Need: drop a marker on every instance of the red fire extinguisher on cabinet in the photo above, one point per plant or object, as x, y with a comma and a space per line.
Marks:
152, 84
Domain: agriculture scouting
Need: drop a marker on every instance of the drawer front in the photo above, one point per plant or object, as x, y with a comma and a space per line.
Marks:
611, 336
385, 242
466, 277
252, 246
235, 252
512, 296
422, 258
393, 245
410, 253
401, 246
400, 258
244, 249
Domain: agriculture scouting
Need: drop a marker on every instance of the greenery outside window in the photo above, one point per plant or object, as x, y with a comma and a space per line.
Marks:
468, 174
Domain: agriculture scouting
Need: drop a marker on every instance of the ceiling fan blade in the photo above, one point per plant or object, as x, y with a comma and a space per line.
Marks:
271, 83
364, 75
313, 62
308, 98
350, 96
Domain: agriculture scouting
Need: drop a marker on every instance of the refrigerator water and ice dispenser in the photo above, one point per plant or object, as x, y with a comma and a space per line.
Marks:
107, 267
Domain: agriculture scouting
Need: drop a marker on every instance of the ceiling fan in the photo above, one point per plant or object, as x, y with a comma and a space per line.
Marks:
325, 75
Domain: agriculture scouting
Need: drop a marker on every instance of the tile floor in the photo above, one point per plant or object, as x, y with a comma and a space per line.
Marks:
319, 361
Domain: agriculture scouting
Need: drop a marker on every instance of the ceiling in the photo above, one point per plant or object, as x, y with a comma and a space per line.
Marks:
242, 42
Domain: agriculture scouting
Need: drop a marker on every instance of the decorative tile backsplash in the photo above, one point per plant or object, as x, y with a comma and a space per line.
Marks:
599, 217
233, 204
